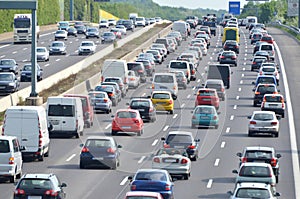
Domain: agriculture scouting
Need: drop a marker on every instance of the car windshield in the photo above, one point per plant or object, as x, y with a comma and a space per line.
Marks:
255, 171
175, 138
140, 103
157, 176
40, 50
259, 154
57, 44
35, 184
7, 62
253, 193
87, 44
4, 146
161, 96
6, 77
98, 143
163, 79
204, 110
104, 88
126, 114
263, 116
27, 68
273, 98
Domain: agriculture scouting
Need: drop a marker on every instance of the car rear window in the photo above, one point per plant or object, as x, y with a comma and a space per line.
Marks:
112, 80
266, 47
259, 154
204, 110
98, 143
268, 69
255, 171
163, 79
252, 193
266, 80
172, 138
264, 89
126, 114
263, 116
161, 96
215, 86
273, 98
178, 65
61, 110
157, 176
4, 146
206, 93
104, 88
35, 184
139, 103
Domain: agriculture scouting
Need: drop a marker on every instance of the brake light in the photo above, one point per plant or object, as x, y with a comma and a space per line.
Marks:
215, 117
174, 87
157, 160
85, 150
273, 162
110, 94
252, 122
222, 57
184, 161
222, 89
152, 86
254, 62
51, 193
133, 187
244, 159
132, 78
233, 57
225, 46
105, 100
19, 192
273, 123
40, 138
193, 72
260, 72
136, 121
166, 146
168, 187
194, 117
263, 104
151, 110
140, 71
170, 101
11, 160
110, 150
191, 147
257, 93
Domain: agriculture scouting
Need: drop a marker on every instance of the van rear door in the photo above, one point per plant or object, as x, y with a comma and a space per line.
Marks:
62, 117
30, 131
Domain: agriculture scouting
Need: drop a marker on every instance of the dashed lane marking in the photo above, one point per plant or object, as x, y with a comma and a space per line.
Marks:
123, 182
209, 184
71, 157
166, 128
227, 130
175, 115
154, 142
141, 159
217, 161
108, 126
223, 145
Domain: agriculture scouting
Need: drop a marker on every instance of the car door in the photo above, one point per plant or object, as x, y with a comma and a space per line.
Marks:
17, 155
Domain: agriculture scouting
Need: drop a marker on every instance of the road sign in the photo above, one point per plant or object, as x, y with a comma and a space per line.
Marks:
235, 7
18, 4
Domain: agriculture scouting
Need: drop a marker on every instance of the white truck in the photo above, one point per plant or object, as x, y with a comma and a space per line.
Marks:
23, 28
133, 16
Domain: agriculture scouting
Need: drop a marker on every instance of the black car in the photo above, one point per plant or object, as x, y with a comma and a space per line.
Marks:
9, 83
256, 37
139, 68
128, 25
257, 61
26, 73
183, 140
261, 90
228, 57
231, 45
72, 32
145, 107
40, 186
101, 151
262, 53
8, 65
81, 29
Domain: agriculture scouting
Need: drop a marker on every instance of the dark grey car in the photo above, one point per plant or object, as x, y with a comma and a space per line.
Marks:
9, 83
8, 65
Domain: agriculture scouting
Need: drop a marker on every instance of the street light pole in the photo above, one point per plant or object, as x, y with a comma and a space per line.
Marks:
299, 14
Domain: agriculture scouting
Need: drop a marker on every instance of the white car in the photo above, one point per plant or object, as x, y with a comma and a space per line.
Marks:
112, 22
202, 47
263, 122
133, 79
103, 23
269, 70
122, 28
140, 21
60, 34
87, 47
42, 54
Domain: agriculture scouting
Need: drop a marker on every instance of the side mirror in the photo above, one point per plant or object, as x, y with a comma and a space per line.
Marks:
130, 178
163, 139
119, 146
41, 69
174, 97
277, 194
235, 171
81, 145
239, 154
249, 117
63, 185
278, 155
22, 148
230, 192
278, 117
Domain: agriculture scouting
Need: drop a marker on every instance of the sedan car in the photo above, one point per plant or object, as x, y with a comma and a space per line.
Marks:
133, 79
261, 154
205, 115
123, 87
87, 47
58, 47
81, 29
9, 65
27, 71
228, 57
72, 31
92, 32
122, 28
253, 190
42, 54
100, 151
163, 101
231, 45
263, 122
273, 102
60, 34
108, 37
145, 107
257, 61
100, 101
127, 120
175, 161
9, 83
111, 92
103, 23
182, 140
155, 180
207, 96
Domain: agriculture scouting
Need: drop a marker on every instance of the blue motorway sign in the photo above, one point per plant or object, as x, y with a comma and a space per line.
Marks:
235, 7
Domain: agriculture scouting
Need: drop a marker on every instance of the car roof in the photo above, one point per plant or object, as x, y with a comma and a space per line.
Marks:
263, 148
215, 81
252, 185
127, 110
142, 193
160, 91
37, 175
152, 170
180, 133
99, 137
269, 112
255, 164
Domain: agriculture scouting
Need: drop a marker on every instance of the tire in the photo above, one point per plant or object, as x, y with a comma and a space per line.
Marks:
41, 158
114, 103
81, 165
171, 112
186, 176
107, 112
114, 132
13, 179
114, 166
88, 125
282, 115
77, 135
277, 178
254, 104
19, 175
223, 98
139, 133
194, 158
216, 126
276, 134
250, 134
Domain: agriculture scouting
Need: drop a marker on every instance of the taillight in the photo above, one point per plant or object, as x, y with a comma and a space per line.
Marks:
263, 104
110, 94
133, 187
184, 161
166, 146
273, 162
157, 160
168, 187
225, 46
170, 101
136, 121
11, 160
257, 93
254, 62
102, 78
193, 72
215, 117
174, 87
260, 72
140, 71
105, 100
51, 193
85, 150
152, 86
132, 78
110, 150
244, 159
125, 80
151, 110
273, 123
233, 57
191, 147
222, 57
19, 192
222, 89
194, 117
252, 122
40, 138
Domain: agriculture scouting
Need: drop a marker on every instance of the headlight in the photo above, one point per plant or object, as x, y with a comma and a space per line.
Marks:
11, 84
80, 49
23, 74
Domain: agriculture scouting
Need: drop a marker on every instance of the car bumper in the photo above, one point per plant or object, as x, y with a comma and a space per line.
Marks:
7, 170
101, 107
98, 161
180, 170
276, 110
127, 128
205, 122
160, 107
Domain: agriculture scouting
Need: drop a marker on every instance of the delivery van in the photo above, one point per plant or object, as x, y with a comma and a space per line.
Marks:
182, 27
29, 124
220, 71
65, 114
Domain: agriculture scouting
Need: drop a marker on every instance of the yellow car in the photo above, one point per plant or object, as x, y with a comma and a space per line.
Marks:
163, 101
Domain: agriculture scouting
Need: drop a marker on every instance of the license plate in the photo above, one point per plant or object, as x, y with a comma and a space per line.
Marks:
160, 102
170, 160
97, 158
179, 147
264, 129
34, 197
204, 117
2, 87
141, 109
206, 99
273, 105
126, 127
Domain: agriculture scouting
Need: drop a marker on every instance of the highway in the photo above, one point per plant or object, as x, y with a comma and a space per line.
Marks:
211, 175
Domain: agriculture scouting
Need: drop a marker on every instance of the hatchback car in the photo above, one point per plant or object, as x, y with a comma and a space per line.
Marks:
58, 47
257, 61
133, 79
256, 172
111, 92
262, 53
108, 37
9, 65
231, 45
122, 28
139, 68
42, 54
72, 31
145, 107
182, 140
9, 83
273, 102
163, 101
261, 90
217, 84
119, 81
92, 32
100, 151
228, 57
263, 122
37, 185
27, 71
87, 47
100, 101
261, 154
207, 96
60, 34
205, 115
256, 37
127, 120
269, 70
175, 161
267, 38
118, 90
154, 180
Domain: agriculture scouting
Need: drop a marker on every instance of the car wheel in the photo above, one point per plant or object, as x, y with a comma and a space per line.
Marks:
114, 132
193, 126
107, 112
282, 115
216, 126
277, 178
41, 157
252, 69
139, 133
12, 179
250, 134
20, 174
81, 165
194, 158
171, 112
186, 176
276, 134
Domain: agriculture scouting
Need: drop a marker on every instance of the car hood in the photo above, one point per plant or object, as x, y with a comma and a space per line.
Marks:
7, 66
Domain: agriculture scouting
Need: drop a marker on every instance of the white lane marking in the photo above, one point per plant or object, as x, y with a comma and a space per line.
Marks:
293, 140
67, 55
71, 157
209, 184
246, 54
175, 116
5, 46
188, 96
47, 65
241, 82
43, 35
42, 42
2, 56
57, 60
71, 42
244, 68
142, 159
223, 144
246, 51
234, 107
215, 49
246, 46
24, 48
243, 75
166, 127
232, 117
154, 142
143, 94
217, 162
227, 130
124, 181
194, 88
108, 126
244, 64
211, 58
198, 80
245, 58
240, 89
182, 105
237, 97
15, 52
24, 60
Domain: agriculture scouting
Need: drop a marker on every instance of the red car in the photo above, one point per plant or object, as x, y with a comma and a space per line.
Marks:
127, 120
117, 32
267, 38
207, 96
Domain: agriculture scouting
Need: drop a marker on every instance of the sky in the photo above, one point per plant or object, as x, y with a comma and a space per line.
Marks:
194, 4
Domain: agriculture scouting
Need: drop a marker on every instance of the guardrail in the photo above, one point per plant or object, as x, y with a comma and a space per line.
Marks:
296, 30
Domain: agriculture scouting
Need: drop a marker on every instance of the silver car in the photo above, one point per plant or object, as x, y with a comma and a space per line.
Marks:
42, 54
100, 101
133, 79
57, 47
87, 47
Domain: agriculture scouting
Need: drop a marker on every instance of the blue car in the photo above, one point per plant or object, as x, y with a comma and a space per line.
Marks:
205, 115
154, 180
26, 73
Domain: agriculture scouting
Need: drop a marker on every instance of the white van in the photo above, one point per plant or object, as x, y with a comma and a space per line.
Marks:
65, 114
165, 81
10, 158
29, 124
115, 68
249, 20
176, 65
269, 48
181, 27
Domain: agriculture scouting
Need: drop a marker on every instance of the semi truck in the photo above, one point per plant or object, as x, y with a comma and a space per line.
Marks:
23, 28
